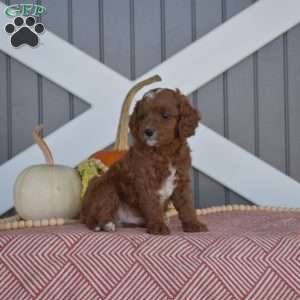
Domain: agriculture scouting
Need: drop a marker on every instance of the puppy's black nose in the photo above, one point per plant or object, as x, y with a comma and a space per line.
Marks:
149, 132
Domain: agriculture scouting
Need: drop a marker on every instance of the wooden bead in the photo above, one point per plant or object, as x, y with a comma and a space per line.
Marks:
229, 208
28, 223
235, 207
217, 209
52, 221
36, 223
223, 208
60, 221
242, 207
211, 210
14, 225
44, 222
8, 225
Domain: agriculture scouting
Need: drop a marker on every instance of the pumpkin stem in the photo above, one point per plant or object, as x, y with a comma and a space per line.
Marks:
122, 133
37, 136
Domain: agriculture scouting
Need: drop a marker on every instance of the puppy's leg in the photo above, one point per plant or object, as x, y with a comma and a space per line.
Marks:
153, 214
182, 200
100, 206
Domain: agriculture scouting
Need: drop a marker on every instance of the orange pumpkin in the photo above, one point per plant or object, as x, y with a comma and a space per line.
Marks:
108, 157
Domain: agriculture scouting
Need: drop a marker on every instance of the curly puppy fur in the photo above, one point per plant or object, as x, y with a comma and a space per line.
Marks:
155, 170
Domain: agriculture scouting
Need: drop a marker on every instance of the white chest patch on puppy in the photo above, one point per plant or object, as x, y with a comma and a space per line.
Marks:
168, 186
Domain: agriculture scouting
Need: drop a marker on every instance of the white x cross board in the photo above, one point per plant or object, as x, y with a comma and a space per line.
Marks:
190, 69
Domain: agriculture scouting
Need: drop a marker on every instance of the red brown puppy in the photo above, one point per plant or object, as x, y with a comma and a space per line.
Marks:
155, 170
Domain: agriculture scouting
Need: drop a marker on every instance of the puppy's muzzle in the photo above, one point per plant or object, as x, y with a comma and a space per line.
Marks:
149, 132
150, 136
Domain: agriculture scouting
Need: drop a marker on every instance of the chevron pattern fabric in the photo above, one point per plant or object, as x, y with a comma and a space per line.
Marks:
245, 255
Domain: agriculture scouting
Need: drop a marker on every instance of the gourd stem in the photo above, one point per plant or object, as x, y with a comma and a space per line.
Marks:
122, 133
36, 133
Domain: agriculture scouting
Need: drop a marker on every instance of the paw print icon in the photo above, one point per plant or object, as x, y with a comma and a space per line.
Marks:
24, 31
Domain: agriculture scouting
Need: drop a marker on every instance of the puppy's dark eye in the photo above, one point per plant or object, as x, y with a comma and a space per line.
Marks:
165, 115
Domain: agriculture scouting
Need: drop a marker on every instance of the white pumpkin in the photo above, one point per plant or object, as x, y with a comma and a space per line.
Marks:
47, 191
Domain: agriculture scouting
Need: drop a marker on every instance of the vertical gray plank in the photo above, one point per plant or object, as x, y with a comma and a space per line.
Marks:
55, 99
271, 104
147, 35
241, 106
195, 186
57, 17
40, 85
208, 16
198, 30
294, 100
240, 98
176, 33
88, 43
240, 93
209, 101
116, 32
163, 30
234, 7
286, 104
132, 38
86, 26
225, 97
177, 25
24, 104
70, 40
3, 109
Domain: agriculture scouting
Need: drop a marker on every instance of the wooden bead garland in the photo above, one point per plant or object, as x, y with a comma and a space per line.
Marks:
236, 207
15, 222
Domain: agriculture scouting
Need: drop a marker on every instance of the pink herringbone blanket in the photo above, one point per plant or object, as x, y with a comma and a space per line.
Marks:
245, 255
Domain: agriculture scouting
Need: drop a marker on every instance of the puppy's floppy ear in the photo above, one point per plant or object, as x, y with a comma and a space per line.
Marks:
133, 124
188, 116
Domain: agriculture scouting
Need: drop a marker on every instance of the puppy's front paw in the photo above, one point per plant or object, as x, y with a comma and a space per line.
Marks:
109, 227
158, 228
194, 227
